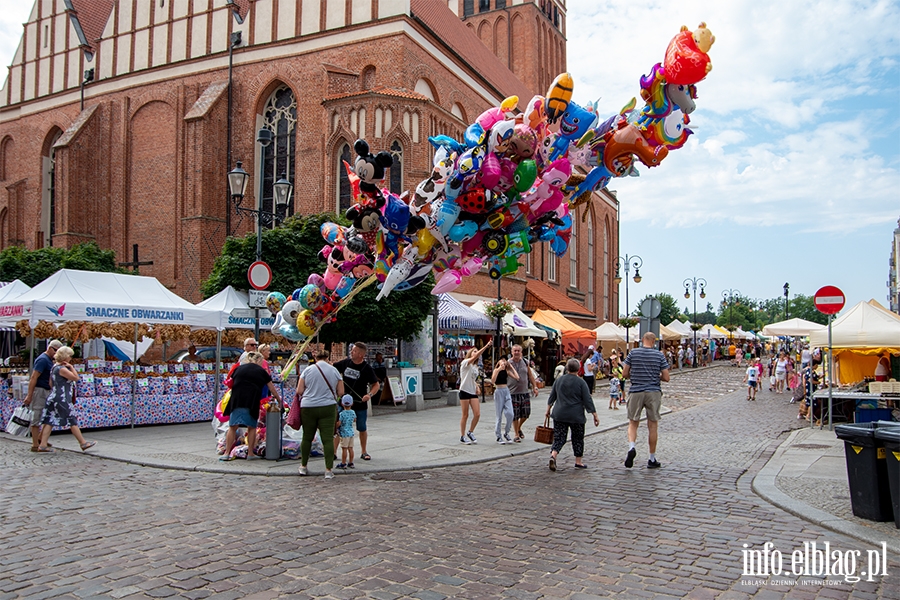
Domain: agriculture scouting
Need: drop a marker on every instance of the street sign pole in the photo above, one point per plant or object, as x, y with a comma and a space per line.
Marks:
829, 300
830, 377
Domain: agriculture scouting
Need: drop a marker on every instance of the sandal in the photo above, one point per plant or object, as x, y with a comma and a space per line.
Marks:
45, 449
87, 445
366, 456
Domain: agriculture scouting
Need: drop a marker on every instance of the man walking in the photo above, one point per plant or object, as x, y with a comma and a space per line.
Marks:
646, 367
358, 375
519, 390
39, 389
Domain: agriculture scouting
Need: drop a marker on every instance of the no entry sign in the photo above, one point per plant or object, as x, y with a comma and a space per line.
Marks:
829, 300
259, 275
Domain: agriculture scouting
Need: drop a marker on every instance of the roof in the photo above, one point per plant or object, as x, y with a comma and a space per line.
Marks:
449, 29
453, 314
380, 91
539, 295
557, 321
92, 15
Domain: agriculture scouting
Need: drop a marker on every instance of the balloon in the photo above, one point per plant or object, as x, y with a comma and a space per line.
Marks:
494, 115
295, 295
310, 296
291, 332
576, 122
306, 323
275, 301
490, 171
290, 311
399, 272
474, 135
370, 168
624, 141
686, 59
558, 96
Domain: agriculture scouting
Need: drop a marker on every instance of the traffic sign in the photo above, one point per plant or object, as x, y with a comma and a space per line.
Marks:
257, 298
259, 275
829, 300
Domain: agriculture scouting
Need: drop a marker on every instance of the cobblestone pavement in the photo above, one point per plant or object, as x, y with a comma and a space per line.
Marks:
77, 527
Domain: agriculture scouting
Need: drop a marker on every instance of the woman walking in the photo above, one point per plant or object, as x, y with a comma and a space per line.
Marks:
569, 400
318, 388
502, 398
780, 372
248, 381
57, 410
468, 394
589, 366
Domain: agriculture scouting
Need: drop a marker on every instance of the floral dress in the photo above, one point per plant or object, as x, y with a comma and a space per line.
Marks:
57, 411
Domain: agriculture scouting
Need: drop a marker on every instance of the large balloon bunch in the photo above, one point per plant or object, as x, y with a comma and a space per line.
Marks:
510, 183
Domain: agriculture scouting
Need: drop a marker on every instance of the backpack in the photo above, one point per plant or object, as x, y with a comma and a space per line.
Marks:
581, 369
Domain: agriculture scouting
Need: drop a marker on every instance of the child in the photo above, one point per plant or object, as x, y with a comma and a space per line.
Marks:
346, 420
614, 393
751, 377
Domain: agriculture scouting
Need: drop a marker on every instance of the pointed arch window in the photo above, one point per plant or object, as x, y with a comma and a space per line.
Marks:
573, 258
48, 192
606, 272
396, 174
345, 195
590, 262
279, 117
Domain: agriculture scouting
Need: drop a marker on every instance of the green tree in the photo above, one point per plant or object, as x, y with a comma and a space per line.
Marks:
292, 252
668, 311
805, 308
741, 312
34, 266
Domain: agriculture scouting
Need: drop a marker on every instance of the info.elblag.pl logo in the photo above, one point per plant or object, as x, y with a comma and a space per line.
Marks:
814, 560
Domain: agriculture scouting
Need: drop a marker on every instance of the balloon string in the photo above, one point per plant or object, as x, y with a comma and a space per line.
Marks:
302, 346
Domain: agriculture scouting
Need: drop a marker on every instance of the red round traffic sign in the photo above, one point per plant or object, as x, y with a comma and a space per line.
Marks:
829, 300
259, 275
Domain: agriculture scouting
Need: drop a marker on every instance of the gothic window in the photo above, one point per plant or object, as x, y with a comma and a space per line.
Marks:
551, 264
484, 5
396, 174
590, 262
573, 259
468, 8
48, 193
501, 3
606, 272
280, 117
345, 197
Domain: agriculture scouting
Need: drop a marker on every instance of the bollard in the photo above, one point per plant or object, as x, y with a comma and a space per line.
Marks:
453, 398
415, 402
273, 435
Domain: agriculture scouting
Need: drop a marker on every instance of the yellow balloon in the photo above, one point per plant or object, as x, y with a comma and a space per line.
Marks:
306, 323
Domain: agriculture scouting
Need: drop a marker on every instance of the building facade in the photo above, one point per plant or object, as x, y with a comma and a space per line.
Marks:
119, 120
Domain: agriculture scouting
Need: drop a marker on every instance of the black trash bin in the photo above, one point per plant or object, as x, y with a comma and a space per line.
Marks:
890, 439
870, 492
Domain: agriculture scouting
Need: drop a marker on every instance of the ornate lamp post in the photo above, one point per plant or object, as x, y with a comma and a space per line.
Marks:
729, 296
626, 263
691, 284
237, 182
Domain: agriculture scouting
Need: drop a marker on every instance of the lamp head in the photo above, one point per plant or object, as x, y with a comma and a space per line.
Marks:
283, 190
702, 293
637, 276
687, 295
237, 182
264, 137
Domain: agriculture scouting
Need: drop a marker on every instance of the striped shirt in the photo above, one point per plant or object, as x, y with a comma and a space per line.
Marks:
646, 364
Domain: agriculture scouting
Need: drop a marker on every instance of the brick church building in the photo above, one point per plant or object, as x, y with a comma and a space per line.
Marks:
119, 120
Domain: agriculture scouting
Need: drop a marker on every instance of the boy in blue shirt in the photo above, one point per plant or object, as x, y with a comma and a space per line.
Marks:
346, 420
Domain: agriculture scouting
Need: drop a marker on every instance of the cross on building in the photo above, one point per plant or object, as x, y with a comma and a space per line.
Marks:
135, 263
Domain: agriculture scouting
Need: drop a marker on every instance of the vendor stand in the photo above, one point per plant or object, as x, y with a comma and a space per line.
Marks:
460, 328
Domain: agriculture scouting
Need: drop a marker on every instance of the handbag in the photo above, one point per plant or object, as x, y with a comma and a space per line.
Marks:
294, 419
543, 434
20, 422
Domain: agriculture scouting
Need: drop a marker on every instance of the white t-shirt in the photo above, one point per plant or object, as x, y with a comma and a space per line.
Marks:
781, 365
316, 391
589, 367
752, 373
881, 369
805, 356
468, 373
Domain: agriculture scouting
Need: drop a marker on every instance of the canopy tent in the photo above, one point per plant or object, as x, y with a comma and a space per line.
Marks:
723, 331
518, 322
683, 328
70, 295
454, 315
858, 337
743, 335
610, 332
575, 339
8, 291
669, 335
234, 310
792, 327
710, 331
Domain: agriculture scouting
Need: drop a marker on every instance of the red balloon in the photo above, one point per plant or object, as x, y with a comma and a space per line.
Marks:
685, 62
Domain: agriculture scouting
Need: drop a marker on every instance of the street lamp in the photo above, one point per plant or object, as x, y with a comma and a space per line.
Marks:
729, 296
627, 262
690, 284
237, 183
787, 288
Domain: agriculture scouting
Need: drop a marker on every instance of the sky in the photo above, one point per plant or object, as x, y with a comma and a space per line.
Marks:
793, 171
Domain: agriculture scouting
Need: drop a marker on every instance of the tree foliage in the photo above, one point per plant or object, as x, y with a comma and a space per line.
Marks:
668, 311
34, 266
292, 252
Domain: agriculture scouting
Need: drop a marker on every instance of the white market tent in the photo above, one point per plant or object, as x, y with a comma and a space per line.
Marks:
234, 309
70, 295
517, 321
792, 327
683, 328
8, 291
610, 332
709, 331
862, 327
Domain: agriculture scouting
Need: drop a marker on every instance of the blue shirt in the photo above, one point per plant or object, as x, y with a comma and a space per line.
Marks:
646, 364
347, 417
43, 364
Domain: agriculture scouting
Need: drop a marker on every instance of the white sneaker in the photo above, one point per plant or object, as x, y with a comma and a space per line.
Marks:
471, 437
501, 441
464, 440
507, 438
329, 475
303, 472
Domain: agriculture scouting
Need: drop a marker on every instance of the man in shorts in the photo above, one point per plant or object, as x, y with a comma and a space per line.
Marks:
521, 391
646, 367
39, 389
362, 383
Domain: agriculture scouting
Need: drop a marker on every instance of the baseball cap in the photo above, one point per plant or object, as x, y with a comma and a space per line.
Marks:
347, 400
55, 344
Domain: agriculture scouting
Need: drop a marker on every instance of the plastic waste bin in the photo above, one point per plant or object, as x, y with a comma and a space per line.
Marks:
273, 433
870, 493
890, 439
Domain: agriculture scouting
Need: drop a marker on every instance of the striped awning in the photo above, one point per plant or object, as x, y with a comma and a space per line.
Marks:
456, 316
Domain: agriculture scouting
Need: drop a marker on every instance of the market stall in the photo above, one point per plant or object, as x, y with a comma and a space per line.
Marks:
575, 339
792, 327
461, 328
112, 393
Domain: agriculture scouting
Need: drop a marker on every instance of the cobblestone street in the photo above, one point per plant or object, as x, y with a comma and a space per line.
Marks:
80, 527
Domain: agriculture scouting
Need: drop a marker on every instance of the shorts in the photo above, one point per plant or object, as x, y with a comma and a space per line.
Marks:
361, 416
780, 375
614, 396
751, 384
467, 396
240, 417
521, 406
637, 401
347, 442
38, 402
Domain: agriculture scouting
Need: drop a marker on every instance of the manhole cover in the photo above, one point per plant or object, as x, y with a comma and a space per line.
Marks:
811, 446
397, 476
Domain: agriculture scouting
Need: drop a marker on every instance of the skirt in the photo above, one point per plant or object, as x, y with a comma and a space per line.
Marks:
240, 417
